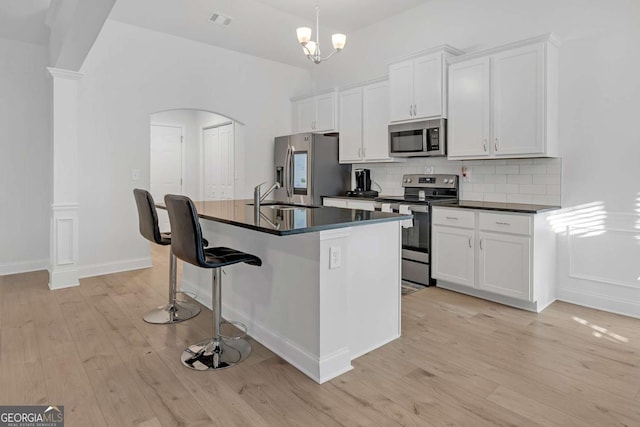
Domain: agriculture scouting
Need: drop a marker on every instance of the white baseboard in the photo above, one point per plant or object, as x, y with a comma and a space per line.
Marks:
114, 267
23, 266
600, 302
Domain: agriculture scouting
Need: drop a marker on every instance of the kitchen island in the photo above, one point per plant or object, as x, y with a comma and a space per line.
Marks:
328, 290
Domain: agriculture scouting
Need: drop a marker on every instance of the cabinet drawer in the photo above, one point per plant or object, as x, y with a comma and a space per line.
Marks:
454, 217
505, 223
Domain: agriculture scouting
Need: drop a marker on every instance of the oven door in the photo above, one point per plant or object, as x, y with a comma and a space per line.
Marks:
415, 246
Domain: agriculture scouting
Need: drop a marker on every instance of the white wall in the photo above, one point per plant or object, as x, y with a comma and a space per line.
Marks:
132, 72
598, 115
25, 157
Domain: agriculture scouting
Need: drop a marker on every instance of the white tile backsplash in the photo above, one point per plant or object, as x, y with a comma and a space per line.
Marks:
501, 180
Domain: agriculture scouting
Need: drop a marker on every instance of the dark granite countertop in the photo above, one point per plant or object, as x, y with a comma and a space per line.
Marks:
497, 206
282, 222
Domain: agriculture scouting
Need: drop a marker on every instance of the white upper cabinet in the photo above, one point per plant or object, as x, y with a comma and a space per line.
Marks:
363, 121
418, 86
503, 102
469, 105
350, 106
315, 113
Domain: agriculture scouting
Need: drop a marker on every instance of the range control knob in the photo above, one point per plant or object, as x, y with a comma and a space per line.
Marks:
409, 180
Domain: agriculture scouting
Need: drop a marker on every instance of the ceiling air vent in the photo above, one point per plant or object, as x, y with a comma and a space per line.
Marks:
220, 19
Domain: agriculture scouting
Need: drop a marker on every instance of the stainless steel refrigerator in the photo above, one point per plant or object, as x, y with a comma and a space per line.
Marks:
307, 168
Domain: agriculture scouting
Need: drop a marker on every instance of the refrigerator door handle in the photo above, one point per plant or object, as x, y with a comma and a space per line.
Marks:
291, 172
287, 171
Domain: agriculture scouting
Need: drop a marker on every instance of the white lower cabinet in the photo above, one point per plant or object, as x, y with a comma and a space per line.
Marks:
504, 265
367, 205
454, 259
504, 257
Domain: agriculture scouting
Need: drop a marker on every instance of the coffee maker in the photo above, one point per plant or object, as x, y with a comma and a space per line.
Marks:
363, 184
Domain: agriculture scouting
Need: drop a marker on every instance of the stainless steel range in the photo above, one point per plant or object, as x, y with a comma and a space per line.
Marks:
420, 193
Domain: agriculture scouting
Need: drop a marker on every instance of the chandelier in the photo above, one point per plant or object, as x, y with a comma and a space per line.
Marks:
312, 48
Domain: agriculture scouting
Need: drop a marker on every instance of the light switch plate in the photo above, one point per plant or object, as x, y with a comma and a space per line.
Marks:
135, 174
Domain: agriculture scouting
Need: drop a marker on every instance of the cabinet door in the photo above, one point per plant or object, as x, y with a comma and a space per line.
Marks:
361, 204
505, 265
375, 120
338, 203
518, 101
427, 86
306, 114
452, 255
469, 106
350, 125
325, 119
401, 91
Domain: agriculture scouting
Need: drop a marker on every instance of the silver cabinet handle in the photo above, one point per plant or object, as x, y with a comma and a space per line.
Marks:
484, 144
451, 217
415, 110
410, 110
481, 244
470, 242
502, 223
360, 152
364, 151
495, 144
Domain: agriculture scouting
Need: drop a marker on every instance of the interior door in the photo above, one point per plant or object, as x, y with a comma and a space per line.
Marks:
165, 166
225, 140
210, 166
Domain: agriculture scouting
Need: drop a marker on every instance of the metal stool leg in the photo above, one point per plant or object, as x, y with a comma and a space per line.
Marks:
174, 311
216, 353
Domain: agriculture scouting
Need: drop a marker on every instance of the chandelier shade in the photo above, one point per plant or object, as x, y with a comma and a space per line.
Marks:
311, 48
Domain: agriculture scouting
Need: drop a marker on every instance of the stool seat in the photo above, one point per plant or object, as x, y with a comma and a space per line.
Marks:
174, 311
186, 243
221, 257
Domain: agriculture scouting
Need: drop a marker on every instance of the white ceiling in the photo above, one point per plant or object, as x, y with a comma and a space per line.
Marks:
23, 20
264, 28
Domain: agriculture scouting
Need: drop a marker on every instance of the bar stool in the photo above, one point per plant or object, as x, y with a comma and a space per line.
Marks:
174, 311
186, 242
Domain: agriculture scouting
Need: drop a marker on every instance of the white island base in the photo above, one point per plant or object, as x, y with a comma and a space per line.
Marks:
315, 317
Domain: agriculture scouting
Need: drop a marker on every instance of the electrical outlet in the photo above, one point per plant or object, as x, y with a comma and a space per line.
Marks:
335, 255
466, 174
135, 174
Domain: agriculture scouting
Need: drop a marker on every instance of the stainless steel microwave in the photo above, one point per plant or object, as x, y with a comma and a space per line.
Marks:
418, 139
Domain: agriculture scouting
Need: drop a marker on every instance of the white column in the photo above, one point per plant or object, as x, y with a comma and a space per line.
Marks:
63, 250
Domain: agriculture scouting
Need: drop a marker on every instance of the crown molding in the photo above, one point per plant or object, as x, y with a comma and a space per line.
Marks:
64, 74
444, 48
544, 38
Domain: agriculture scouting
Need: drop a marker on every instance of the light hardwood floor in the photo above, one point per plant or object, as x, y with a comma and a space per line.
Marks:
461, 361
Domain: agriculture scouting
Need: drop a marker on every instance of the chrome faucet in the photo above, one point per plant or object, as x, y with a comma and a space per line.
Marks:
257, 198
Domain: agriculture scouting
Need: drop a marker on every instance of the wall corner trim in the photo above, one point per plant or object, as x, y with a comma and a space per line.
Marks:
64, 74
